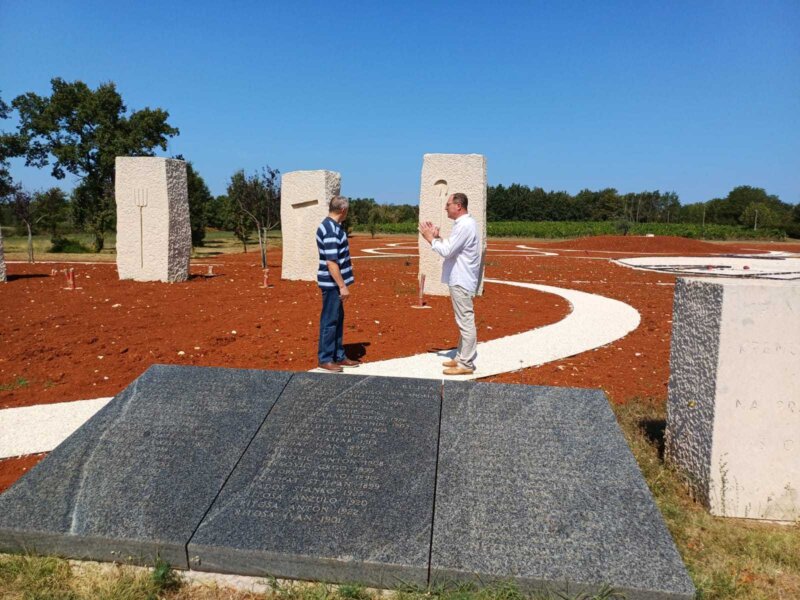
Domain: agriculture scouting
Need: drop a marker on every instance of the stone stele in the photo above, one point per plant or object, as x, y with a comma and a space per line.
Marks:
442, 175
2, 259
733, 414
305, 196
154, 238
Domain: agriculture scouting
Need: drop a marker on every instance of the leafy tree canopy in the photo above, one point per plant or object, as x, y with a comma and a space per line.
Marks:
81, 131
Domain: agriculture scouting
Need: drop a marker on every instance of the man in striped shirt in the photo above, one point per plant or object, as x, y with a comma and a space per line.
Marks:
334, 276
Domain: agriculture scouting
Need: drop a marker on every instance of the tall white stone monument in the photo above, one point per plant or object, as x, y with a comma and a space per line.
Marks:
305, 196
154, 237
443, 175
733, 415
2, 259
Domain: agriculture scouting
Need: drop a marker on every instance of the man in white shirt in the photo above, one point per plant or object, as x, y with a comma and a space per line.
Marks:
461, 270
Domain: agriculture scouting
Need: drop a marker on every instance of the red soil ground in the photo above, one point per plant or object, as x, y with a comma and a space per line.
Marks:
60, 345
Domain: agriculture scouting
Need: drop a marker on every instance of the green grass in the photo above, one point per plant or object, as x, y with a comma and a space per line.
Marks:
215, 244
20, 382
727, 558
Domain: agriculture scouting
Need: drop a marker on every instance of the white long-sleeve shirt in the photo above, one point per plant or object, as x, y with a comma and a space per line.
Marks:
461, 253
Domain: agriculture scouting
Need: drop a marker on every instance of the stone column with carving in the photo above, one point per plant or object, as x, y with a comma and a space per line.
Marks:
154, 237
733, 414
443, 175
305, 196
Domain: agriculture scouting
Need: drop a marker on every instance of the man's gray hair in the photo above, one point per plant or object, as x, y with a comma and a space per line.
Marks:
339, 204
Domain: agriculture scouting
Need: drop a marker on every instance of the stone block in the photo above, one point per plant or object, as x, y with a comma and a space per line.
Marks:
537, 485
136, 480
2, 259
442, 175
154, 237
337, 486
305, 196
733, 414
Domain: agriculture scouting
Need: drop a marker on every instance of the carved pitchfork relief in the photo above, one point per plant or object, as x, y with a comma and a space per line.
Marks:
140, 199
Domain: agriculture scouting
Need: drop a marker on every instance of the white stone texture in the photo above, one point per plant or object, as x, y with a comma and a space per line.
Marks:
2, 259
154, 237
305, 197
443, 175
733, 414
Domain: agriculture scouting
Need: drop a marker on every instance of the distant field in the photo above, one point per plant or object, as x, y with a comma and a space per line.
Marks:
215, 243
573, 229
224, 242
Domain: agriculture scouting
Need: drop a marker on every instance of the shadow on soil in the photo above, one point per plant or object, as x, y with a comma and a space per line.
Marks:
26, 276
356, 351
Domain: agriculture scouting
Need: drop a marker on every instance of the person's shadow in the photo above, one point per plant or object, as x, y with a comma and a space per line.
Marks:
356, 351
25, 276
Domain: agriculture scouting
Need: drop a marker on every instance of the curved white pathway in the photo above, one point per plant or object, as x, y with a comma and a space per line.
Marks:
594, 321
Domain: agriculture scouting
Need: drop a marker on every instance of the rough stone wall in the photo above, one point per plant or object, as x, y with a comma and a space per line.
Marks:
305, 196
154, 241
697, 310
2, 259
442, 175
749, 463
180, 228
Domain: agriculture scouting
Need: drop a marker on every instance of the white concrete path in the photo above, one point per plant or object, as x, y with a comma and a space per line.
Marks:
33, 429
594, 321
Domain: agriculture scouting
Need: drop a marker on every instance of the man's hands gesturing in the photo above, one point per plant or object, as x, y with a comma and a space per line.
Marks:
428, 231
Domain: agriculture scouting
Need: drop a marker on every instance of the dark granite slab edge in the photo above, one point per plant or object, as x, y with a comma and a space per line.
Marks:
135, 552
447, 577
306, 568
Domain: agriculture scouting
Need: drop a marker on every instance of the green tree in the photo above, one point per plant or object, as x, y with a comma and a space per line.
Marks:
82, 131
759, 214
216, 212
200, 200
51, 208
257, 198
25, 211
10, 146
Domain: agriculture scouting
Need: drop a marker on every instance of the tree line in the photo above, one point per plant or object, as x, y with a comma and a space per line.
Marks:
80, 131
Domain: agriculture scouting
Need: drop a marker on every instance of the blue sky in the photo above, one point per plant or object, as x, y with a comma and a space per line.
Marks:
695, 97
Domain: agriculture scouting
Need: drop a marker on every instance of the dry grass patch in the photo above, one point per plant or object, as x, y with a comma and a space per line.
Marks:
727, 558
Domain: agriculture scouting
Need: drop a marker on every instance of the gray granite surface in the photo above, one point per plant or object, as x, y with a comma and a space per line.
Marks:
136, 480
337, 486
537, 484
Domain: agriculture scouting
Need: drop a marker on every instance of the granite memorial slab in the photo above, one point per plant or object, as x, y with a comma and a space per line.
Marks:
537, 485
337, 486
136, 480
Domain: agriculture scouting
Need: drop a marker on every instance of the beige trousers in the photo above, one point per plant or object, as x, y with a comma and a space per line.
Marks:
465, 319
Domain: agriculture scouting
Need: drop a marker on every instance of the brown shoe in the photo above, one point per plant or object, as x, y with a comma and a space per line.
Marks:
348, 362
458, 371
449, 363
332, 367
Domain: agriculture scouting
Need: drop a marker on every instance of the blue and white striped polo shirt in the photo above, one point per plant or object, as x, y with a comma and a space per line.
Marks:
332, 245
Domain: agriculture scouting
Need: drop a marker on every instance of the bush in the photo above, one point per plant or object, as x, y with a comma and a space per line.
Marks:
62, 245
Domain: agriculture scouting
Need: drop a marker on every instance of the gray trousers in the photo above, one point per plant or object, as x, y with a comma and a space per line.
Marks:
465, 319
